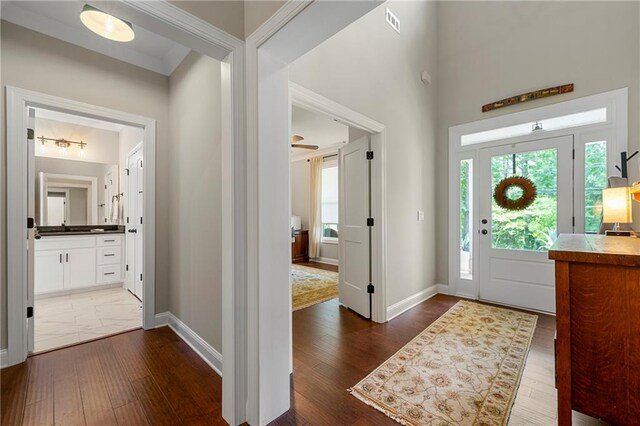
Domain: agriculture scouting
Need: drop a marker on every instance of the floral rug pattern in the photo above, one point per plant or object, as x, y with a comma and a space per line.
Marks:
464, 369
311, 286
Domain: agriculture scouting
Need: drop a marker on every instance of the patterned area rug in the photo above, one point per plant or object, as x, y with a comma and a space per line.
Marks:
464, 369
312, 286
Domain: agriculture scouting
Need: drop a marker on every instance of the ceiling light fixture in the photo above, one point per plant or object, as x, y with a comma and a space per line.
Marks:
106, 25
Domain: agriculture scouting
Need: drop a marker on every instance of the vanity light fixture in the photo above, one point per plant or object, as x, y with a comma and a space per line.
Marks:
62, 144
105, 25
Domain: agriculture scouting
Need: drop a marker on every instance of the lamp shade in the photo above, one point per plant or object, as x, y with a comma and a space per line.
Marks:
616, 205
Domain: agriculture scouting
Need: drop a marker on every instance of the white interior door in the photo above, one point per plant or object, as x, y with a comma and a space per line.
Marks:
513, 244
354, 210
134, 241
139, 235
31, 212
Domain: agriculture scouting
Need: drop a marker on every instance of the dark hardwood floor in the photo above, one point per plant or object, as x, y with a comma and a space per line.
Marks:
153, 377
136, 378
319, 265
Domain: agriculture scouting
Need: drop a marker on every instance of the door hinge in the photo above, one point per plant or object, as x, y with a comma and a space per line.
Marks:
140, 277
30, 134
573, 220
29, 311
127, 219
105, 187
574, 154
371, 289
127, 170
30, 223
126, 268
140, 220
369, 155
369, 221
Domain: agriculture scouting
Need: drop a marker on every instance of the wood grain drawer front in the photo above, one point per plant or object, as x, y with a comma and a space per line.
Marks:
109, 255
109, 240
109, 273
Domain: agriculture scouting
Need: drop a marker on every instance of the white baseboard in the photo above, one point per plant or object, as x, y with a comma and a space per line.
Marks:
325, 260
411, 301
3, 358
443, 288
162, 319
191, 338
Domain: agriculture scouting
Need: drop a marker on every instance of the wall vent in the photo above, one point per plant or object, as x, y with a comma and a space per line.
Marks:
393, 21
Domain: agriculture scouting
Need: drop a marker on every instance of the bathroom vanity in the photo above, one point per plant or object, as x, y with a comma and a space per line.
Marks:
78, 260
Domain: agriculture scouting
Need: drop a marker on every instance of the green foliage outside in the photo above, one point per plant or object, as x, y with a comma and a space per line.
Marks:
535, 228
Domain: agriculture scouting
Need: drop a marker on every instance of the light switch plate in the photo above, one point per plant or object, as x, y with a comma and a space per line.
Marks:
420, 215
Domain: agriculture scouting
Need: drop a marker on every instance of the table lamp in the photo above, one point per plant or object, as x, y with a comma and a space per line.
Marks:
616, 209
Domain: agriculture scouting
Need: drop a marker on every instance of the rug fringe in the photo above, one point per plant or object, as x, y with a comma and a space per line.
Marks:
371, 403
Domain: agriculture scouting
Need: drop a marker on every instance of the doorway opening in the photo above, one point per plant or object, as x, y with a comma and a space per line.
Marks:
76, 262
499, 254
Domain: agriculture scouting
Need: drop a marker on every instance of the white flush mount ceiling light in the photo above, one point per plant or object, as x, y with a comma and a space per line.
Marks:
106, 25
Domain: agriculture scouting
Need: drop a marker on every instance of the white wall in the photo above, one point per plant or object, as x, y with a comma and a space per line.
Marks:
491, 50
195, 226
102, 145
372, 69
75, 73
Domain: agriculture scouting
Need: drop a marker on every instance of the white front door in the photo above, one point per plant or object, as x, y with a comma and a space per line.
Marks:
134, 245
354, 234
513, 244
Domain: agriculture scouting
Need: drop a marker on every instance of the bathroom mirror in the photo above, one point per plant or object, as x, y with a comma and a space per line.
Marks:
70, 192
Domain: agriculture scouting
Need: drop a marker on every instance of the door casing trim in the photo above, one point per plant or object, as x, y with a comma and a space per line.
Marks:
616, 126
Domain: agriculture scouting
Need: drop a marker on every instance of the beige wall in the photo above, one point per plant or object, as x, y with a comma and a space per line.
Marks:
490, 50
257, 12
195, 223
76, 73
102, 145
226, 15
376, 71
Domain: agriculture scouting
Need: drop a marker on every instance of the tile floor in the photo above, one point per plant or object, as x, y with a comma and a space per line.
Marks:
65, 320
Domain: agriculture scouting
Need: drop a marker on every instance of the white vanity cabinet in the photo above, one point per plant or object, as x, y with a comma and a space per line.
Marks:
66, 263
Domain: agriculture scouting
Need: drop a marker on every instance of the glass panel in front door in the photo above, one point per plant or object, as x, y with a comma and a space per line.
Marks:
535, 227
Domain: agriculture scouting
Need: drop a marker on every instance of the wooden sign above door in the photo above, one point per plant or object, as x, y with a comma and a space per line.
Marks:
529, 96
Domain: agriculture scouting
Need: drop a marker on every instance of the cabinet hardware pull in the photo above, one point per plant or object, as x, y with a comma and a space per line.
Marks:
67, 256
60, 257
109, 241
109, 255
109, 273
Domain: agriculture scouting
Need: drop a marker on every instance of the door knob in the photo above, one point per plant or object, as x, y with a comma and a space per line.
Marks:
484, 232
133, 231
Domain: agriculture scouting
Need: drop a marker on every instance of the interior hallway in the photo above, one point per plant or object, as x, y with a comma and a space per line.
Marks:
153, 377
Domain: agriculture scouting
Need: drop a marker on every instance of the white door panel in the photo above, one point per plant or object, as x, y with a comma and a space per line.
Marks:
513, 245
134, 239
31, 212
354, 209
79, 268
49, 271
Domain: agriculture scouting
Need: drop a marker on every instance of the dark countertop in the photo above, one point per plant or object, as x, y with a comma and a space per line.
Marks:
591, 248
63, 231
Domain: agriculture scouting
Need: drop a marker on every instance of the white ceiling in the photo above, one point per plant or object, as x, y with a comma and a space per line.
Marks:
61, 19
317, 129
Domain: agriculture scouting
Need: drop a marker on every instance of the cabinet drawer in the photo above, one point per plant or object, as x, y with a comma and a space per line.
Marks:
109, 255
109, 240
109, 273
63, 243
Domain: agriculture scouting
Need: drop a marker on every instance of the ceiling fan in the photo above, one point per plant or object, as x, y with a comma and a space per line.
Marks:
295, 143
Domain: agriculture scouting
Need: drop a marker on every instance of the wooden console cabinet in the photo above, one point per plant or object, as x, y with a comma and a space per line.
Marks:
598, 327
300, 247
